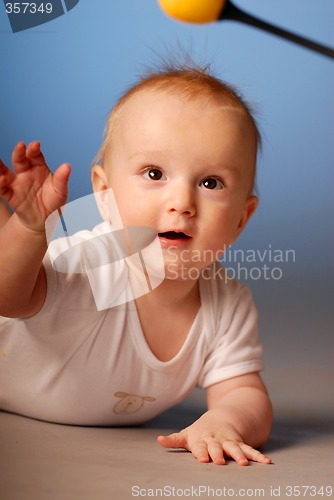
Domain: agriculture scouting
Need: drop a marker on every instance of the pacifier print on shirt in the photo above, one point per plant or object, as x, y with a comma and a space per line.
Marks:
130, 403
121, 263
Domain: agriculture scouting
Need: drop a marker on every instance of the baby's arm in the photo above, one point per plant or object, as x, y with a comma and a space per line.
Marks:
33, 192
238, 420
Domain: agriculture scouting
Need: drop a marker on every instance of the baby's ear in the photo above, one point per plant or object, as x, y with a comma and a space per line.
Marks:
100, 187
249, 208
99, 178
104, 197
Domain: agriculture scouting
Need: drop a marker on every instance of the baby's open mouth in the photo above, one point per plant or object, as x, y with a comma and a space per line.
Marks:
173, 235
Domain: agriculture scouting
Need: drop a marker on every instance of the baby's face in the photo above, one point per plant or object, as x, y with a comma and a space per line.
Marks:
184, 168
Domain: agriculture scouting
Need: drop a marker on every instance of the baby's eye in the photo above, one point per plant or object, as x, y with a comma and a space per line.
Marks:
212, 183
154, 174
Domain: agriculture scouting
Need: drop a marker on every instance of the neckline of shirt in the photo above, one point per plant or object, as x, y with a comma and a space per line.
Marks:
143, 348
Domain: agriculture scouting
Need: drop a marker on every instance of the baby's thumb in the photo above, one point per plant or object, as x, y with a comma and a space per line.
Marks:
60, 178
175, 440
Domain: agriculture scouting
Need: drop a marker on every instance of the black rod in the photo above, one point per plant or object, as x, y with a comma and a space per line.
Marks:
233, 13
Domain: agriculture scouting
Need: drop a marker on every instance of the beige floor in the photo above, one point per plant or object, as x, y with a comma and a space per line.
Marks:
41, 461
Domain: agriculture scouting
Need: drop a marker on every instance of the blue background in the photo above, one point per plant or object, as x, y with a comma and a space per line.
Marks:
59, 81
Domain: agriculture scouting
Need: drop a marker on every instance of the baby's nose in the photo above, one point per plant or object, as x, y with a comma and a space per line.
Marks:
182, 200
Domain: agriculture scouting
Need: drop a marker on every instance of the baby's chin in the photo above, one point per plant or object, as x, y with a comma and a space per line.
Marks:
181, 272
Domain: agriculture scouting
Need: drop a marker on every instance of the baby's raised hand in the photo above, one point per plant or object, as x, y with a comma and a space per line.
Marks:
32, 191
210, 439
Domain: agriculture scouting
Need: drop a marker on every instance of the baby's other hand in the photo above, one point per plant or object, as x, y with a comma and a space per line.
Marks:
210, 439
32, 191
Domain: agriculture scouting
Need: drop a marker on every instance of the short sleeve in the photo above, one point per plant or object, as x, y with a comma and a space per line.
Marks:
235, 348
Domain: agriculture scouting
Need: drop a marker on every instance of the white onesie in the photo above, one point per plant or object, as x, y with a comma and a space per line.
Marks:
74, 364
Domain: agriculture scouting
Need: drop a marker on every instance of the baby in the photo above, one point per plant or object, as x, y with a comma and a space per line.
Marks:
179, 155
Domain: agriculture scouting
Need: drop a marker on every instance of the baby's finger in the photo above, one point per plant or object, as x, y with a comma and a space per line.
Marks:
233, 449
200, 450
254, 455
216, 453
19, 158
35, 155
4, 170
6, 177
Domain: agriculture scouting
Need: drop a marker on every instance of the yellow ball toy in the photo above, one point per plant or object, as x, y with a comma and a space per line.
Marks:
206, 11
193, 11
